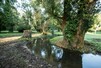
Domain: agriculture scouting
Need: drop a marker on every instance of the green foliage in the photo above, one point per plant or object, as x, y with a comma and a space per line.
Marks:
95, 39
70, 29
22, 27
88, 22
55, 39
9, 34
71, 9
97, 22
8, 15
80, 14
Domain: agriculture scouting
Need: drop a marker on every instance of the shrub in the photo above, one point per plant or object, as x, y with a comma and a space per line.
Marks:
22, 27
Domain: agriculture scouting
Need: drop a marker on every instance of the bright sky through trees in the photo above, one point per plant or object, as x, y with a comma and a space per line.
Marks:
18, 5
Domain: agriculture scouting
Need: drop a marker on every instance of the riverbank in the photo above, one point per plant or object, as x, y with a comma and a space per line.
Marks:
89, 47
92, 42
15, 54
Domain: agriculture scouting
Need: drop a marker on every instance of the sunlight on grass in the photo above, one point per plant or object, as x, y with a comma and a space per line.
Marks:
7, 34
88, 37
95, 39
92, 36
58, 33
53, 40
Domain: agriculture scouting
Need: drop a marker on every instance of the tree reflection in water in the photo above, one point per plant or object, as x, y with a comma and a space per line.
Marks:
62, 58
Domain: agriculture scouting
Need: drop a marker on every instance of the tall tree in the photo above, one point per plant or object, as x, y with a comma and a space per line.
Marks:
8, 15
76, 18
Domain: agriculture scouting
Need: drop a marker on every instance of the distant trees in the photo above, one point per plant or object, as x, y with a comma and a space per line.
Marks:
10, 18
23, 24
97, 22
8, 15
42, 21
31, 17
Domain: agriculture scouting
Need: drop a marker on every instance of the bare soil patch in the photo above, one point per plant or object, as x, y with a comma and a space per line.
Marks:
17, 55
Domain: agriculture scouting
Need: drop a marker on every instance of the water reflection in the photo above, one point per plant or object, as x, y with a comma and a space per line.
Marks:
71, 59
64, 58
91, 61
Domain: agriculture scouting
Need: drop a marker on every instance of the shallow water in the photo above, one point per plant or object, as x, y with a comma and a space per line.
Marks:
63, 58
91, 61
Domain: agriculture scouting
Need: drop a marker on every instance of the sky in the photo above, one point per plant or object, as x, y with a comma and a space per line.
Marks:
19, 4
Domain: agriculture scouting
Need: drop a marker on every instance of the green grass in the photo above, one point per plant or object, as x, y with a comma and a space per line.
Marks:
53, 40
94, 39
60, 33
4, 34
90, 37
8, 34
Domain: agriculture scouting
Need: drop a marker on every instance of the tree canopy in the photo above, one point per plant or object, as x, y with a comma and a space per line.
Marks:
8, 15
74, 16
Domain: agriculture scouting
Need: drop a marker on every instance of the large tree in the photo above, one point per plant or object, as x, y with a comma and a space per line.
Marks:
75, 18
8, 15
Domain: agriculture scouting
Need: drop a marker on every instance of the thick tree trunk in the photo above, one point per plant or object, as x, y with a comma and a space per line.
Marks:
63, 24
78, 39
77, 42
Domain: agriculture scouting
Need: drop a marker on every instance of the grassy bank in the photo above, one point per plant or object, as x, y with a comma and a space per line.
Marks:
9, 34
17, 55
4, 34
93, 38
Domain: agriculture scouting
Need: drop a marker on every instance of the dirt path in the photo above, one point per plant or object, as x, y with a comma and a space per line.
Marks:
8, 39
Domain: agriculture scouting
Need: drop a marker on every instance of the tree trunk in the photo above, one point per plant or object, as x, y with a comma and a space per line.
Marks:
77, 39
27, 34
63, 24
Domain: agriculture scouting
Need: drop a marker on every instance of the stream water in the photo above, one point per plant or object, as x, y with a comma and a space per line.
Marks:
64, 58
